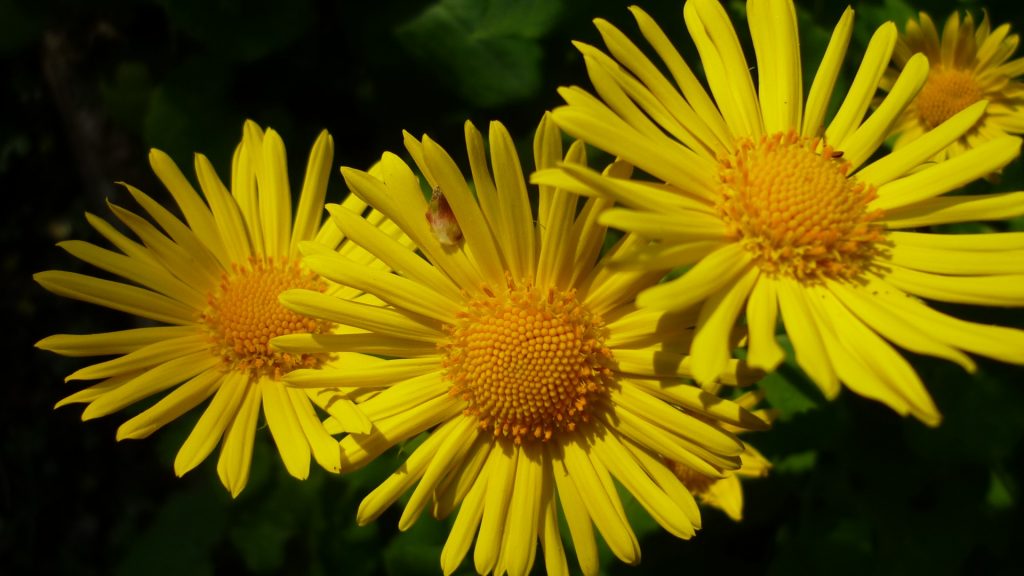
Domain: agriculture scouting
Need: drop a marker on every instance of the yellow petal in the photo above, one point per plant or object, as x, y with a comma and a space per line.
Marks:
180, 400
236, 451
285, 428
110, 343
214, 420
117, 296
310, 211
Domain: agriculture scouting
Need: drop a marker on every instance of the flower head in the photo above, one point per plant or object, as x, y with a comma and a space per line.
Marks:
968, 64
520, 353
211, 284
778, 213
726, 493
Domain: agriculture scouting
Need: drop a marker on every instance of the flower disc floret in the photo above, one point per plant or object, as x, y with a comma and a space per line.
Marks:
530, 362
788, 199
947, 91
243, 315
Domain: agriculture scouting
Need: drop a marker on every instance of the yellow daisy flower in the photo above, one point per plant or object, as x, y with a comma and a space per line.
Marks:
210, 286
968, 65
776, 212
517, 348
726, 493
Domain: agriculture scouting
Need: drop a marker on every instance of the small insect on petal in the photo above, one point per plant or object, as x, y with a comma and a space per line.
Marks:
442, 220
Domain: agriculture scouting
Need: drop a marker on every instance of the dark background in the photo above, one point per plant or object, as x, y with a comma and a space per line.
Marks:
88, 87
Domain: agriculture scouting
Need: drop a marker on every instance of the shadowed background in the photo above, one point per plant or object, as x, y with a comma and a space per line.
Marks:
88, 88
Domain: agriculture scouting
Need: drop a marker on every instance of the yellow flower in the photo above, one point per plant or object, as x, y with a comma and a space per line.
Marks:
726, 493
777, 212
517, 348
211, 285
967, 65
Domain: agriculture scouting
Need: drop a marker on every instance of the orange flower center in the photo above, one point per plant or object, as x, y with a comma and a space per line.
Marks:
795, 210
243, 315
531, 363
694, 481
947, 91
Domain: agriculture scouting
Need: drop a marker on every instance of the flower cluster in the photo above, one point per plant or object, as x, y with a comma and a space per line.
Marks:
550, 340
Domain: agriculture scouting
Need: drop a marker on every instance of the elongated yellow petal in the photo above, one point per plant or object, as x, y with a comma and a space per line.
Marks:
236, 451
895, 327
115, 295
576, 516
170, 407
948, 175
906, 158
496, 504
110, 343
449, 451
706, 278
379, 319
726, 69
275, 197
215, 419
197, 214
712, 344
310, 211
285, 428
144, 358
691, 87
395, 290
226, 213
322, 445
550, 539
862, 142
405, 396
140, 272
763, 351
807, 340
388, 491
992, 290
378, 373
521, 255
360, 343
156, 379
601, 505
951, 209
668, 227
865, 82
520, 542
958, 262
700, 401
461, 536
628, 472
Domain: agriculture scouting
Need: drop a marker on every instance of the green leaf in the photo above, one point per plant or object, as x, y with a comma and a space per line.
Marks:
243, 31
182, 536
797, 463
127, 96
788, 389
487, 51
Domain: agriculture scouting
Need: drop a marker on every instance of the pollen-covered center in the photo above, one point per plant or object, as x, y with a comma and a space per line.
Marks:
530, 362
789, 201
694, 481
946, 92
243, 314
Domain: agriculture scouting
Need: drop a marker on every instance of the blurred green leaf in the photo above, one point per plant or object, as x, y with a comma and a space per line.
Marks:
486, 50
127, 96
188, 526
796, 463
189, 112
788, 389
999, 496
870, 16
243, 31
